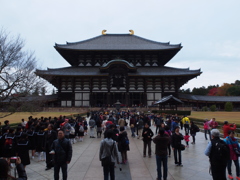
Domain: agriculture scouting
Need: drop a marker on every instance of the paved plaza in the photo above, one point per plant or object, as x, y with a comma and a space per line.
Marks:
85, 164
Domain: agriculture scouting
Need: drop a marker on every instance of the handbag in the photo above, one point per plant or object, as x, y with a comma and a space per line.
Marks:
182, 147
107, 160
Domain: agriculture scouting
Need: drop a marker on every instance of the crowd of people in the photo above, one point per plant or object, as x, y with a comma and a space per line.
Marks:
50, 139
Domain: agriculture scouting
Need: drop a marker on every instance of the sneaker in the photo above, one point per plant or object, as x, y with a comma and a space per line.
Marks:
230, 176
144, 155
32, 157
238, 178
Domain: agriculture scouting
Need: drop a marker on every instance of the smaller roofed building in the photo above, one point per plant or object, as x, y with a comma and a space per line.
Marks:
199, 101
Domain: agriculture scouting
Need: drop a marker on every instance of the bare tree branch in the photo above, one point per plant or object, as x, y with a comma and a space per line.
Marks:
16, 67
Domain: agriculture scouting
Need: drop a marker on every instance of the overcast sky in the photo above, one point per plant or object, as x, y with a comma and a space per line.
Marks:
208, 30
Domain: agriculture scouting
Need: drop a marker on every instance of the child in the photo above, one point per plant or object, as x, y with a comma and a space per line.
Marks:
186, 138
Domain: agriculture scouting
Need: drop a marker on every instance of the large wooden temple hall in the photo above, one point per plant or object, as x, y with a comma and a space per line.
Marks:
113, 67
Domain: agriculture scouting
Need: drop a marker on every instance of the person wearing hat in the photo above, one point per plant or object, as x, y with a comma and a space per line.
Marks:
228, 127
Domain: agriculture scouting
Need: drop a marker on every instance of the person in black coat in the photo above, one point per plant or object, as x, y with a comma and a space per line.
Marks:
177, 137
147, 135
22, 149
40, 138
62, 150
123, 144
193, 131
32, 139
9, 145
50, 136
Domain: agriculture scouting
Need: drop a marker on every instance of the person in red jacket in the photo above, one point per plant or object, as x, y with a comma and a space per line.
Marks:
227, 127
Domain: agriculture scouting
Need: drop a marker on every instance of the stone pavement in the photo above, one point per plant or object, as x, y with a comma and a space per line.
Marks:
85, 164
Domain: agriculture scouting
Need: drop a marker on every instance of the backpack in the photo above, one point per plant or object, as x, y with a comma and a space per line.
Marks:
8, 143
197, 128
220, 152
108, 125
72, 131
81, 129
125, 140
140, 123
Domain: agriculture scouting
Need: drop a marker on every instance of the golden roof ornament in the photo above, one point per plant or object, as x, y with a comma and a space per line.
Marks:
131, 32
104, 32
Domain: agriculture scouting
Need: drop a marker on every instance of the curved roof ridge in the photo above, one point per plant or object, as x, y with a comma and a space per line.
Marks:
79, 41
166, 43
139, 37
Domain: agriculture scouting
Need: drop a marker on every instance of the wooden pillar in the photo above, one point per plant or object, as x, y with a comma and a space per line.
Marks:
59, 91
108, 99
73, 92
162, 86
145, 102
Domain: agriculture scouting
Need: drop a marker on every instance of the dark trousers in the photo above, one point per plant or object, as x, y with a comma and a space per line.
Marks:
145, 145
57, 167
177, 156
181, 125
218, 171
162, 160
49, 160
229, 165
186, 128
193, 138
205, 133
124, 156
108, 169
99, 134
157, 127
169, 149
133, 132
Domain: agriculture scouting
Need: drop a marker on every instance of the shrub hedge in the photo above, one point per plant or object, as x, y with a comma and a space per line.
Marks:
172, 112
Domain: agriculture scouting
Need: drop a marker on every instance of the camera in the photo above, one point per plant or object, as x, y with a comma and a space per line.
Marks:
13, 159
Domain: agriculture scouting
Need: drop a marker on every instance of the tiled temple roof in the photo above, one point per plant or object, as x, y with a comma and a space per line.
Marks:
117, 42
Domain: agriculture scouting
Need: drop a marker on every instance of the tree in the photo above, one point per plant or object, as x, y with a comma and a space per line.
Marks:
233, 91
213, 92
185, 91
200, 91
36, 91
222, 90
237, 82
17, 68
213, 107
228, 106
